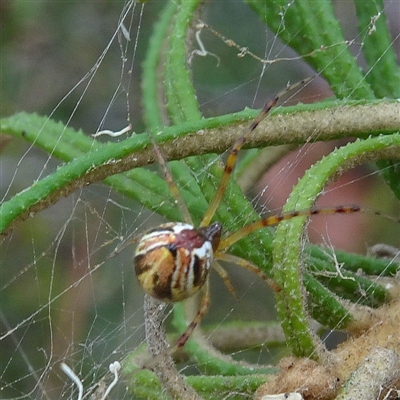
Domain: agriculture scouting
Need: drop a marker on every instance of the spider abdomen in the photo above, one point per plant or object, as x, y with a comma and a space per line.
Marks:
172, 261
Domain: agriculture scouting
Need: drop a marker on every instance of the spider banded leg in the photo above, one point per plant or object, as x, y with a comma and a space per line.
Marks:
237, 146
173, 188
224, 275
284, 216
204, 305
205, 300
249, 266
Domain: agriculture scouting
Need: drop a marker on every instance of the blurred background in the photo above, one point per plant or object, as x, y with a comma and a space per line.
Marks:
48, 53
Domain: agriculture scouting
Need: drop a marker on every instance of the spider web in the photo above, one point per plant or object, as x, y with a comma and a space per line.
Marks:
62, 300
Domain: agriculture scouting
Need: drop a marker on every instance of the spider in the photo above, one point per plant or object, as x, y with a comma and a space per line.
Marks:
172, 262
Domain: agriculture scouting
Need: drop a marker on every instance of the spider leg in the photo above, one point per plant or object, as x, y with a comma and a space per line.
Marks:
233, 153
204, 304
173, 188
249, 266
225, 277
283, 216
202, 311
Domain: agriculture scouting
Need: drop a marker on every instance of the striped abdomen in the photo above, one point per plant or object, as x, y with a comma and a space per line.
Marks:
172, 262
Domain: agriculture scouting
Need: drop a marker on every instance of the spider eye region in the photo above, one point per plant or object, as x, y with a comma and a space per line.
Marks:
172, 262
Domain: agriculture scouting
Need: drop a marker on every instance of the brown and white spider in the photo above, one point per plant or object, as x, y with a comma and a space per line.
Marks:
172, 262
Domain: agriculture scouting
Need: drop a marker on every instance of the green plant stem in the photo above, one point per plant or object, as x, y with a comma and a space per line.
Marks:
207, 359
182, 106
348, 285
90, 161
391, 173
310, 27
81, 171
181, 98
288, 245
383, 73
320, 298
145, 384
371, 266
152, 68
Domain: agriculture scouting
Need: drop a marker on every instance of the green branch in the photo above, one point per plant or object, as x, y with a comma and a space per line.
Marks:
289, 264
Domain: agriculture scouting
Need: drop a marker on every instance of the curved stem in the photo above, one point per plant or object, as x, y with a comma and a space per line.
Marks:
310, 27
288, 244
91, 161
